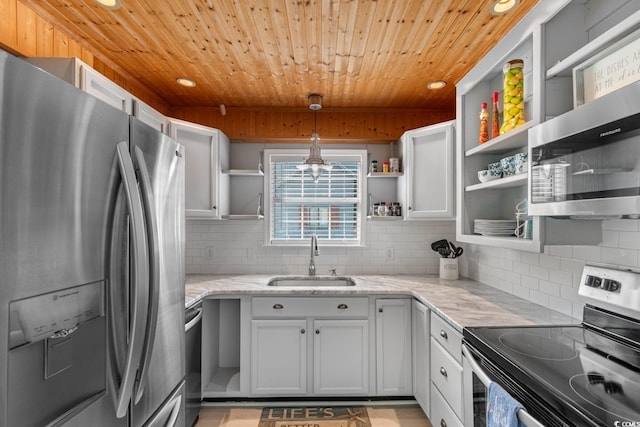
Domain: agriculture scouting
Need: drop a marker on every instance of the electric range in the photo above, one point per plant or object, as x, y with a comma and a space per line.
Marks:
569, 375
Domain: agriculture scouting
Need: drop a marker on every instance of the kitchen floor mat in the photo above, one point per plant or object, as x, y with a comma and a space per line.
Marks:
315, 416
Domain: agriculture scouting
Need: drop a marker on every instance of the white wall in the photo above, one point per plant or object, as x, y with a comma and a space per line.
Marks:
552, 278
237, 247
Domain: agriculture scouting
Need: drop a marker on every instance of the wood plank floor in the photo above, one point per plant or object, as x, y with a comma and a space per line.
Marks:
380, 416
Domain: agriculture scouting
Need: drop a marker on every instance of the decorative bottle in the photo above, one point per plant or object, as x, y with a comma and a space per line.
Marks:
513, 96
495, 120
484, 124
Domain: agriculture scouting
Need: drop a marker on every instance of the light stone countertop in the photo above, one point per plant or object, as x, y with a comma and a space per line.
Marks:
461, 302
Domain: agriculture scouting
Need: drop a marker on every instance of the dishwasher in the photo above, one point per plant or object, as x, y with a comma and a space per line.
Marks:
193, 363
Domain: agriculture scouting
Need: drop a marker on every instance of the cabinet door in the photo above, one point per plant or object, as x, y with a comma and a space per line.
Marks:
429, 172
150, 116
420, 341
341, 356
206, 153
104, 89
278, 357
393, 347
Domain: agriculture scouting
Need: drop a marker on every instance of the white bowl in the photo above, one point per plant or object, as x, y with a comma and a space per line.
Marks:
486, 176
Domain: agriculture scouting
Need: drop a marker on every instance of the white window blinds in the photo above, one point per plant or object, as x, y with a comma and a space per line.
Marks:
330, 207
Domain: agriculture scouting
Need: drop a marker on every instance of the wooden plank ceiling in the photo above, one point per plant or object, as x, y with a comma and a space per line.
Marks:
357, 54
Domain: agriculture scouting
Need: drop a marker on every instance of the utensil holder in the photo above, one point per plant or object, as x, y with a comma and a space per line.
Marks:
449, 268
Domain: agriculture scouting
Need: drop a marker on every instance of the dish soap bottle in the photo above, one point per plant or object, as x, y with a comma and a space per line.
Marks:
495, 120
484, 124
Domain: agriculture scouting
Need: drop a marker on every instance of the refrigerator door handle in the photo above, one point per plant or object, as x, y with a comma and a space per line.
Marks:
148, 204
175, 411
139, 283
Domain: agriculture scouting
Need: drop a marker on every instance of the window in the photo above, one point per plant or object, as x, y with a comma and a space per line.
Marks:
331, 208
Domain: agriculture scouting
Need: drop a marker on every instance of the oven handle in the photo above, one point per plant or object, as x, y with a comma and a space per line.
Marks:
523, 415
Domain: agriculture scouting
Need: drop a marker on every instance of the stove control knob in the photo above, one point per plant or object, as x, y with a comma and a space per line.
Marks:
593, 281
610, 285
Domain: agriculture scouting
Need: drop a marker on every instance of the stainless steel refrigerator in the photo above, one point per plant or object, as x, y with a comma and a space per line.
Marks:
91, 260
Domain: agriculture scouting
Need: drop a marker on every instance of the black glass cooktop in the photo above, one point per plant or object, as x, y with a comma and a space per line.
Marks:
584, 376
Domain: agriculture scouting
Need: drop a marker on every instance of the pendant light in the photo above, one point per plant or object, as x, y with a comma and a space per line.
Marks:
314, 163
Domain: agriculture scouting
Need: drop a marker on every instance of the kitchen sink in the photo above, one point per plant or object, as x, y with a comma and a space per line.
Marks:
312, 281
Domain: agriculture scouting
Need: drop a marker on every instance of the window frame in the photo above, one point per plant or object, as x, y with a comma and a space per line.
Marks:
331, 155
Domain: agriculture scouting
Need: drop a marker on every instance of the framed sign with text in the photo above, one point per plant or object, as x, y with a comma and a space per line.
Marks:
611, 69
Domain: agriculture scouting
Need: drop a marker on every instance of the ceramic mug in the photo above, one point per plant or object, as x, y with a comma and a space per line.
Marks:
521, 163
508, 165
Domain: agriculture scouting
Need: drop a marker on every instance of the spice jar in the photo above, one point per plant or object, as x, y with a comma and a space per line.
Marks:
394, 164
374, 166
513, 96
385, 166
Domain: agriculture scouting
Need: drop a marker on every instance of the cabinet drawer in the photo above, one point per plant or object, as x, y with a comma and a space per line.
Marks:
446, 375
441, 413
448, 337
287, 307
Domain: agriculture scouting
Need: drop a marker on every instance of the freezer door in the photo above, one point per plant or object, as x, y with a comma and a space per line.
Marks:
160, 167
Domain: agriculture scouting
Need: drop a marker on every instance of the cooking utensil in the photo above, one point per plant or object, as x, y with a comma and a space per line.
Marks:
456, 251
444, 243
444, 252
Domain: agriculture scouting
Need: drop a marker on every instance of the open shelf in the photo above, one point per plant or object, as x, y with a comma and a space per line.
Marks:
221, 347
384, 174
596, 46
243, 217
244, 172
225, 380
509, 141
506, 182
384, 218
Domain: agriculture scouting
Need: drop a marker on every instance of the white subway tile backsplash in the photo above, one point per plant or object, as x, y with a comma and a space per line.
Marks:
238, 248
550, 278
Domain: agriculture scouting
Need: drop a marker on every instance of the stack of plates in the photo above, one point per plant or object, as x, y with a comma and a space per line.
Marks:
494, 227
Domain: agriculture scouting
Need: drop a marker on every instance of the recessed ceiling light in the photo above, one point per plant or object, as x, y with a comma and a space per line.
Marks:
185, 82
436, 84
109, 4
503, 6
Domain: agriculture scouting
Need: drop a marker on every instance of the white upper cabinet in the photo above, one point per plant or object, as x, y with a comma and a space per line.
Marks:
426, 190
206, 156
82, 76
149, 115
104, 89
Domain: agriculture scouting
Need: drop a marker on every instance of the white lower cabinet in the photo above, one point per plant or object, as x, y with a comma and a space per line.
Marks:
446, 374
393, 347
340, 357
279, 357
310, 346
420, 340
441, 413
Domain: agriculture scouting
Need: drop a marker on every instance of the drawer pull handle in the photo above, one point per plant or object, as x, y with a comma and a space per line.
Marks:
342, 306
380, 310
443, 423
443, 334
317, 331
443, 372
278, 306
302, 331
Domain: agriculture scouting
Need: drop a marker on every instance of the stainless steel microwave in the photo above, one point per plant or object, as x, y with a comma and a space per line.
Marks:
586, 163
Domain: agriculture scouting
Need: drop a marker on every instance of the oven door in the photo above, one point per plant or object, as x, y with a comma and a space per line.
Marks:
475, 386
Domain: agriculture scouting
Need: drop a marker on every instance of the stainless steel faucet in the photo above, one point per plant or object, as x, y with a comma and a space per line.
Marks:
314, 252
